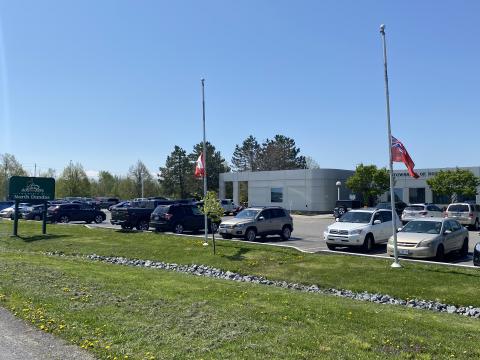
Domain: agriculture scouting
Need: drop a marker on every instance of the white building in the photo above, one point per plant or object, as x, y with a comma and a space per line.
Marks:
316, 190
305, 189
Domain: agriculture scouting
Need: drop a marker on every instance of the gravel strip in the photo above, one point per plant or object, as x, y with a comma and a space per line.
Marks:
207, 271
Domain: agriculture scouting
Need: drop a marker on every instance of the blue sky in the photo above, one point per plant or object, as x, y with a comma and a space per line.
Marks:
106, 83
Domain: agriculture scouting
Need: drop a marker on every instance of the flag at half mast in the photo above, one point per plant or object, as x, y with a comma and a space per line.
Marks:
200, 167
400, 154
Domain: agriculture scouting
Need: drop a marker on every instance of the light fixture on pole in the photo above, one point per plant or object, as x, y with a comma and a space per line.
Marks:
338, 183
395, 264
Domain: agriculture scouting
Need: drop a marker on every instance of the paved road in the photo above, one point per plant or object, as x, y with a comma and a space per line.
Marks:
19, 341
308, 237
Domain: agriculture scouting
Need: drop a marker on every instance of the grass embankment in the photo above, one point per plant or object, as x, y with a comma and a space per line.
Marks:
451, 285
127, 312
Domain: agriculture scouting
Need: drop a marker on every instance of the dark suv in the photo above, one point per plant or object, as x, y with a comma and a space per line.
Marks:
342, 206
65, 213
179, 218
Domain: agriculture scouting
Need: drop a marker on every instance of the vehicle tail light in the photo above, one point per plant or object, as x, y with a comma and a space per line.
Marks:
423, 213
470, 215
445, 215
168, 216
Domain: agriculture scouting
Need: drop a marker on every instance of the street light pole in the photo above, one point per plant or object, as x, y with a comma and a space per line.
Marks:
338, 183
396, 263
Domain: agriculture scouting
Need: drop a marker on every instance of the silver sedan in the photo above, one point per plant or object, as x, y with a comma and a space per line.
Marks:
430, 237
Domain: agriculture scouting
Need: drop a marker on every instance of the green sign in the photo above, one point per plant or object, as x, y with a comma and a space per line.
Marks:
31, 189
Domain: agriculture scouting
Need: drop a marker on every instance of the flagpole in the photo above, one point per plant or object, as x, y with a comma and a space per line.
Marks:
396, 263
205, 242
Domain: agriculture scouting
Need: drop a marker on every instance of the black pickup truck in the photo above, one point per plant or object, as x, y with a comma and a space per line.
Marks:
137, 215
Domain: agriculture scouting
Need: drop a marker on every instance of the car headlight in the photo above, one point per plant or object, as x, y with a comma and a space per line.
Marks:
356, 232
239, 226
425, 243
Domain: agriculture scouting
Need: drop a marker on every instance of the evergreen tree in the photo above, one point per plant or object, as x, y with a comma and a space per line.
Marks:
280, 153
215, 164
245, 157
176, 176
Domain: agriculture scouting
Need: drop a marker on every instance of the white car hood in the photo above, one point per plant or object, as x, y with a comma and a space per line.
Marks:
347, 226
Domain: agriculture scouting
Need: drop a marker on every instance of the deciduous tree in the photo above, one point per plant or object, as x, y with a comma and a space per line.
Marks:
370, 182
454, 182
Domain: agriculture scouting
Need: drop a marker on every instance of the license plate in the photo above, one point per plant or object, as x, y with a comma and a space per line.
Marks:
403, 252
457, 214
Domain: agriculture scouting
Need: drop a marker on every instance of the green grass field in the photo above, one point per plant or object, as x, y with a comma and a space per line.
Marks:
135, 313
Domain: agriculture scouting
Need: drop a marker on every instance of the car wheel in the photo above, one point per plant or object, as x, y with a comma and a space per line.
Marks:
341, 211
440, 254
98, 219
331, 247
286, 233
226, 236
250, 235
368, 243
64, 219
143, 226
464, 249
178, 229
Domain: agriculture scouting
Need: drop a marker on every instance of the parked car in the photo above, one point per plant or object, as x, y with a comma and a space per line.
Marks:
136, 215
399, 206
229, 207
465, 213
65, 213
6, 204
34, 213
179, 218
9, 212
476, 254
121, 204
430, 237
342, 206
361, 228
415, 211
106, 202
258, 221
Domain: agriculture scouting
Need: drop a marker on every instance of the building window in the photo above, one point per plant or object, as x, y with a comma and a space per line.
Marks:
416, 195
440, 199
398, 192
276, 195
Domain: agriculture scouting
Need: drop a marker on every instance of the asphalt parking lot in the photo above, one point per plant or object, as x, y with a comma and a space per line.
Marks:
308, 237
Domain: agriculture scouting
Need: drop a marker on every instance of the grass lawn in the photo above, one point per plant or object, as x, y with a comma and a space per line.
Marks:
451, 285
125, 312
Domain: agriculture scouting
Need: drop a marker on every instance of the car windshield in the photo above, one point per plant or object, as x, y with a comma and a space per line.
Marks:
356, 217
423, 227
458, 208
247, 214
415, 208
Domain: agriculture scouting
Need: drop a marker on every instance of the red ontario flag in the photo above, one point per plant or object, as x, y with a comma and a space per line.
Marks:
200, 167
400, 154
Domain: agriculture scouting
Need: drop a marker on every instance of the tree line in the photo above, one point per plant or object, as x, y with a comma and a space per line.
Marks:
175, 179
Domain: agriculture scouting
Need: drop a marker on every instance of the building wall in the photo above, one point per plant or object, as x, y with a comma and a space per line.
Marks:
408, 184
305, 189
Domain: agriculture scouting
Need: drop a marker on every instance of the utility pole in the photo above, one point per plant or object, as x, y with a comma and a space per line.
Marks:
396, 263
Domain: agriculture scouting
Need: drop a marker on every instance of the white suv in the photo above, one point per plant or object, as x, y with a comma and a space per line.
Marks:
415, 211
361, 228
465, 213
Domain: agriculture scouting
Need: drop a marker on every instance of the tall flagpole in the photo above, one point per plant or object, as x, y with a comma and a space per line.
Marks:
204, 164
395, 264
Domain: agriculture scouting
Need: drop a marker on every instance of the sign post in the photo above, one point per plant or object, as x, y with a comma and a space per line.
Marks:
33, 190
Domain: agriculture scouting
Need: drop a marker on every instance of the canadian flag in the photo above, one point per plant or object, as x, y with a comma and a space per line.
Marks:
400, 154
200, 167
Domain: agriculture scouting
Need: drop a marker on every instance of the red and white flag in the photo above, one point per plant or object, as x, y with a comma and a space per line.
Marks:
400, 154
200, 167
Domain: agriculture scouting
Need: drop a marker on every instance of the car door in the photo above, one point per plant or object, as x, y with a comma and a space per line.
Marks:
198, 218
387, 225
449, 239
263, 222
459, 236
378, 230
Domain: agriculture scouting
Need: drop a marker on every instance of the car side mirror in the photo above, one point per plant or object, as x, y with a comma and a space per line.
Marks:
376, 222
399, 229
446, 232
261, 218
